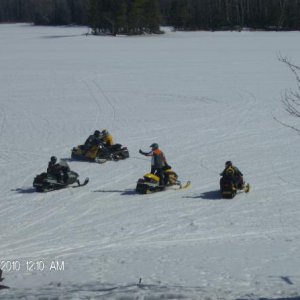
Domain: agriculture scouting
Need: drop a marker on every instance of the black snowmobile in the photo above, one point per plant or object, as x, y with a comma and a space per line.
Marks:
46, 182
229, 185
1, 279
150, 182
101, 153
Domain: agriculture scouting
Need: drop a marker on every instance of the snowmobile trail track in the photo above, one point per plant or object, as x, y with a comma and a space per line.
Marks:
109, 102
3, 120
100, 112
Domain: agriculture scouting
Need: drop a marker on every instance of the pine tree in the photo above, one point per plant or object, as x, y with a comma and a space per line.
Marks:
151, 16
121, 17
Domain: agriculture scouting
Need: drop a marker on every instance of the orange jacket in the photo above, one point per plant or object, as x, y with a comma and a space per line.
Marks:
158, 158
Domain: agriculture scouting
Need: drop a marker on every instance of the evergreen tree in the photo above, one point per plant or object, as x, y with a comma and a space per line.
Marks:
121, 25
135, 16
92, 15
151, 16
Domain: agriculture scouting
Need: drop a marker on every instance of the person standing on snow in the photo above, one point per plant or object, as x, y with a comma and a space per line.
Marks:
158, 162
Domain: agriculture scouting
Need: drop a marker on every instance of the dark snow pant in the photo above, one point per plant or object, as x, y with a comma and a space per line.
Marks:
237, 181
160, 173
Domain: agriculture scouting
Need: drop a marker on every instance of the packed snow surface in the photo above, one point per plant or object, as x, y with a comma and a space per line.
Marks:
205, 98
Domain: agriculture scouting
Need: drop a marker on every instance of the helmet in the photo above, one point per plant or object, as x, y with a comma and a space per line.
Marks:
97, 133
154, 146
53, 159
228, 163
104, 132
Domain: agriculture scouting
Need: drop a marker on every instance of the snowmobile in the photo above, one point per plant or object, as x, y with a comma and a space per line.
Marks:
1, 279
229, 186
150, 182
100, 153
46, 182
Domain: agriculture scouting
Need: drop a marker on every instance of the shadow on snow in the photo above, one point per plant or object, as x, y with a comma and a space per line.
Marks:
211, 195
24, 190
61, 36
122, 192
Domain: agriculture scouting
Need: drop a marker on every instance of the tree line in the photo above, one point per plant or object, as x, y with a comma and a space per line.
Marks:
146, 16
45, 12
124, 16
232, 14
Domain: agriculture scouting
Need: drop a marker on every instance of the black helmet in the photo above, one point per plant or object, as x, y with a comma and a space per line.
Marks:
228, 163
154, 146
97, 133
53, 159
104, 133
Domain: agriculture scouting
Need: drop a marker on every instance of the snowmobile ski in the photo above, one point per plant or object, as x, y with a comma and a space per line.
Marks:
100, 160
86, 181
247, 188
186, 185
180, 186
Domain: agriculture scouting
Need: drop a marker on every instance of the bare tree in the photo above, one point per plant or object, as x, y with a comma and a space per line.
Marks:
291, 99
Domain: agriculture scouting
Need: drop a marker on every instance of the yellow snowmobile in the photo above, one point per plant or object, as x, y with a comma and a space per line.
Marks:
100, 154
150, 182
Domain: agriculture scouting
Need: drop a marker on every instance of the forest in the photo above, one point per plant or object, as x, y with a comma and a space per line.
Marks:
146, 16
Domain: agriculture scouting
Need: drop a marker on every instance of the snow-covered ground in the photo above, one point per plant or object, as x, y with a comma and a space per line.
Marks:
205, 98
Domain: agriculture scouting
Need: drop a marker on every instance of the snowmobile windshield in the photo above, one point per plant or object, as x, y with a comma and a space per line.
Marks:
63, 163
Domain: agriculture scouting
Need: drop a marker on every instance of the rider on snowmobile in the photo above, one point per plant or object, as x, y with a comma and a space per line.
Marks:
94, 139
158, 162
57, 170
107, 138
233, 172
